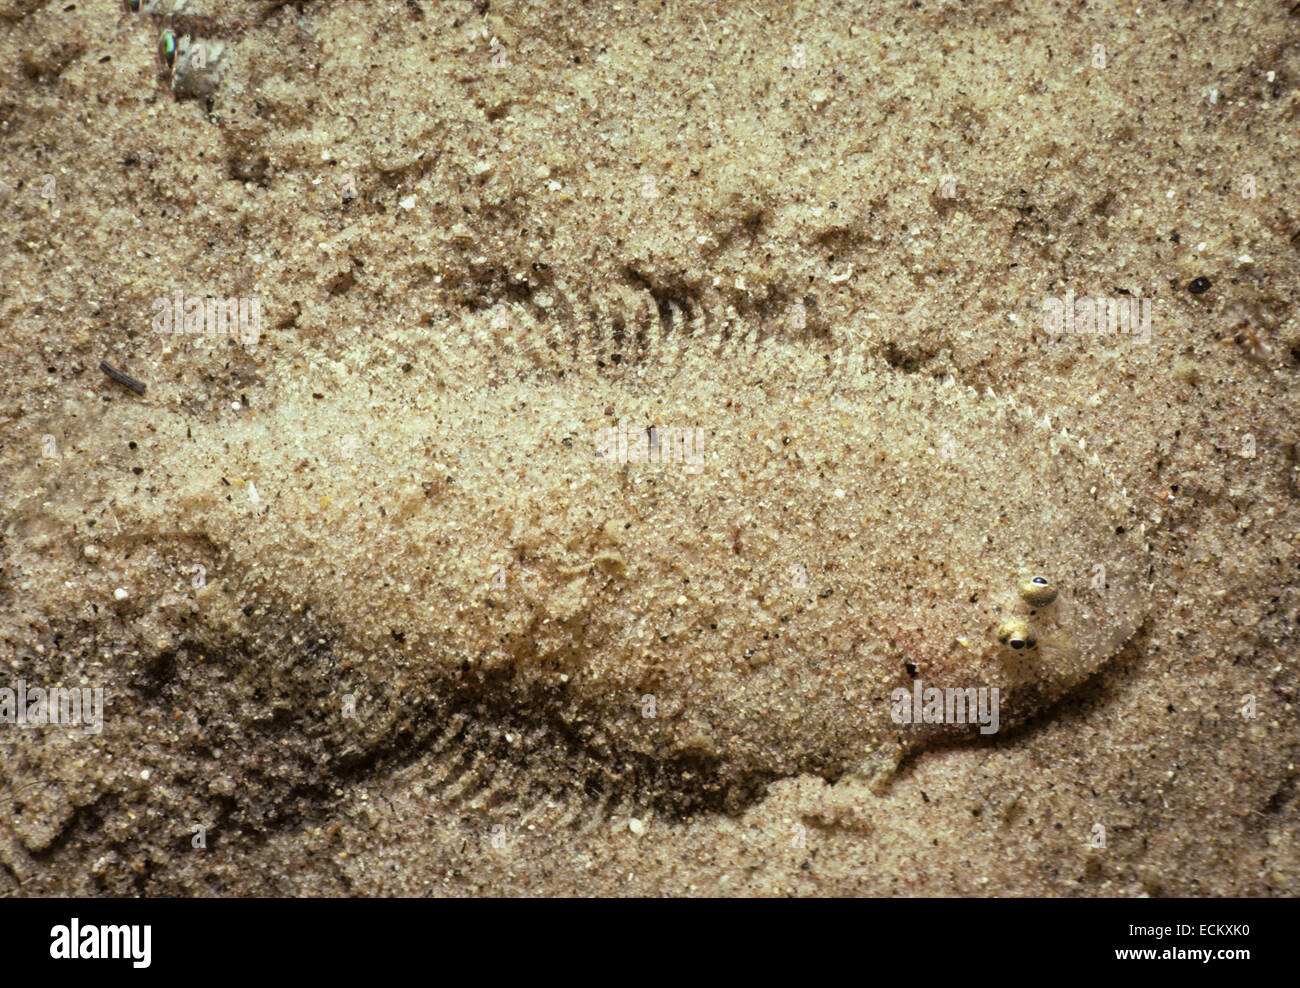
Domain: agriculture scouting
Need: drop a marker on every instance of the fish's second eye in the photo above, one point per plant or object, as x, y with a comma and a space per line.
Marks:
1037, 592
1017, 635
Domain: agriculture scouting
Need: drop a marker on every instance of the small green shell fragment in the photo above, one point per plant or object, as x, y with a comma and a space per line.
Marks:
167, 47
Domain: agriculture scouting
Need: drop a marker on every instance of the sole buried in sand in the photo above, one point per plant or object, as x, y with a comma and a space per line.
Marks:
832, 530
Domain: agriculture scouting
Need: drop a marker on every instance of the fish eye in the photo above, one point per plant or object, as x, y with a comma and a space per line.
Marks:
167, 47
1017, 635
1037, 592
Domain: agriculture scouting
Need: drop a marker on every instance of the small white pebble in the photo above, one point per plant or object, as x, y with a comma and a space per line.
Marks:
120, 594
636, 826
408, 202
839, 493
90, 551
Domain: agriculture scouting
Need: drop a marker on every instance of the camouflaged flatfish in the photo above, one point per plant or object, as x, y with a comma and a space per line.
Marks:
717, 547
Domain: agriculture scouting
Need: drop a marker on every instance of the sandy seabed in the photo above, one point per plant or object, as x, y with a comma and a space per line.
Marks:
562, 429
